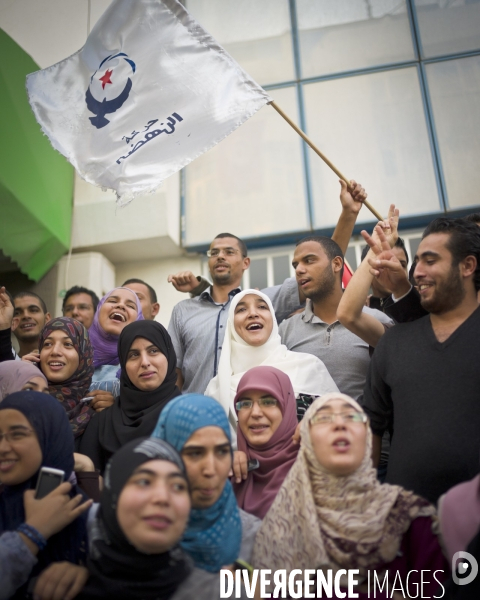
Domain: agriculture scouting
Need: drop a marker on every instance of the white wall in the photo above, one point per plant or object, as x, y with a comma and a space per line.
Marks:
88, 269
148, 228
155, 273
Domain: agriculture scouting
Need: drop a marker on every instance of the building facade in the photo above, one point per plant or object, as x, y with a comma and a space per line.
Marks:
388, 89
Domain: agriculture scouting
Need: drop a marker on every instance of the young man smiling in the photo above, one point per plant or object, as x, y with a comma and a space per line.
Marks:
424, 377
29, 317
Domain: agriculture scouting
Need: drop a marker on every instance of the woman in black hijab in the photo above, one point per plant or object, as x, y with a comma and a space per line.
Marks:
135, 533
119, 565
147, 383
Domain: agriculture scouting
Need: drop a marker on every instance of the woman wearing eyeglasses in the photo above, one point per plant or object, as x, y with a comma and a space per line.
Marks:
341, 517
35, 433
267, 419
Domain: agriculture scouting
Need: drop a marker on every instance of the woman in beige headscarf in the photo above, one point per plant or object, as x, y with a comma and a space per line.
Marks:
332, 513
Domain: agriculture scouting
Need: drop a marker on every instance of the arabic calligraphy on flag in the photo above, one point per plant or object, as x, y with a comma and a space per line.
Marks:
148, 93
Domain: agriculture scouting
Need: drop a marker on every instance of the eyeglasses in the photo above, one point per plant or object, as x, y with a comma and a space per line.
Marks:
226, 251
16, 436
263, 403
323, 418
80, 307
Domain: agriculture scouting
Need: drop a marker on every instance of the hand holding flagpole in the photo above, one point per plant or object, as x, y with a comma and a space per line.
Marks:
322, 156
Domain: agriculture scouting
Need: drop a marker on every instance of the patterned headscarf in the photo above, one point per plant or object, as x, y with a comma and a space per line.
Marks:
322, 520
105, 345
213, 536
76, 387
14, 374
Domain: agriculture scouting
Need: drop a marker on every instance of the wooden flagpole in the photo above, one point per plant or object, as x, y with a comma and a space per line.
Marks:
322, 156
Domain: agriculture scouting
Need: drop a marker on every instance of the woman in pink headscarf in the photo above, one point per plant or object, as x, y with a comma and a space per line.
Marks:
267, 419
459, 514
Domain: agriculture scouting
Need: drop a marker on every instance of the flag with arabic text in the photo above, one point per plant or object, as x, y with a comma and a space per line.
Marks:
148, 93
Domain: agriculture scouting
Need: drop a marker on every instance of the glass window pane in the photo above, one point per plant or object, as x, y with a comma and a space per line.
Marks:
342, 35
252, 183
258, 273
351, 257
414, 244
257, 34
455, 94
447, 27
281, 269
372, 127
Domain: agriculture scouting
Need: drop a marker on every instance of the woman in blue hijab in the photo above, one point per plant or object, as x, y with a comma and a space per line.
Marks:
218, 532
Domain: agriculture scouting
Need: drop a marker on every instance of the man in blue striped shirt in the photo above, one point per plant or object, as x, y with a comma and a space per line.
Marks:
197, 324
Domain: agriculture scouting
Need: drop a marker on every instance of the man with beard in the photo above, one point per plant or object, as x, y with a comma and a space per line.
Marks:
197, 324
29, 317
318, 263
424, 379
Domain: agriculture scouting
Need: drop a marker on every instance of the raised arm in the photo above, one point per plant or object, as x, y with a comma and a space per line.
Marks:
352, 198
350, 310
386, 267
187, 282
6, 318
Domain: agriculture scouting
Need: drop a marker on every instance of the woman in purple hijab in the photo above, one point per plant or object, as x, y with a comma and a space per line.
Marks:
115, 310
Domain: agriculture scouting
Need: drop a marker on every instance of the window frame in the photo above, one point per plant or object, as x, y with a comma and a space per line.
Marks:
406, 223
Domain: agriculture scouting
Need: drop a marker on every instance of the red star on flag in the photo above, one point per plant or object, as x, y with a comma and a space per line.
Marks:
106, 78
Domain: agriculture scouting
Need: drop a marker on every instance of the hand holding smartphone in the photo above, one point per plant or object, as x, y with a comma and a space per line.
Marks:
48, 480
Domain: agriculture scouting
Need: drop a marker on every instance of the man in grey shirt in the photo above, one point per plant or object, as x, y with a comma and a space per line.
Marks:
318, 263
197, 325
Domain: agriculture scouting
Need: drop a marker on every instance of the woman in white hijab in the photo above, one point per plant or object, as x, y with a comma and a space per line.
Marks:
252, 340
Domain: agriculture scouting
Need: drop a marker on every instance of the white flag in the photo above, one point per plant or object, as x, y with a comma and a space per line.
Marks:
148, 93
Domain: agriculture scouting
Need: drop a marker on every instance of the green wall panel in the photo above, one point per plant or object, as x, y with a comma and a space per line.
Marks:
36, 182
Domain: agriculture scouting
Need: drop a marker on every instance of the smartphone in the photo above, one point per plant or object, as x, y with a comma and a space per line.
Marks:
48, 480
253, 464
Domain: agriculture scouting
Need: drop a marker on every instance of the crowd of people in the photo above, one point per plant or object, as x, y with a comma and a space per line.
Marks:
303, 426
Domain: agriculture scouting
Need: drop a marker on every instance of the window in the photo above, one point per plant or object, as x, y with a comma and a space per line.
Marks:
382, 114
388, 89
257, 34
251, 183
268, 268
328, 30
447, 26
455, 95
